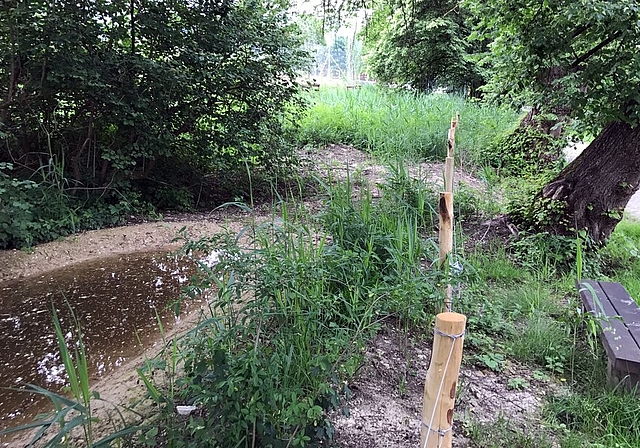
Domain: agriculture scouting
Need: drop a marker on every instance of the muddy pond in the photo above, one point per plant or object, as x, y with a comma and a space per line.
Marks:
117, 301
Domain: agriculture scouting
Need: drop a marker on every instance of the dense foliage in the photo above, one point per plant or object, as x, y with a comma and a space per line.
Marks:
572, 60
97, 96
421, 43
266, 372
579, 56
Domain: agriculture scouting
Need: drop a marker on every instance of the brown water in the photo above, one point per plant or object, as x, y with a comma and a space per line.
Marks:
116, 301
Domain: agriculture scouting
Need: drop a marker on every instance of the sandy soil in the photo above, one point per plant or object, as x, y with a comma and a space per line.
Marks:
386, 407
147, 236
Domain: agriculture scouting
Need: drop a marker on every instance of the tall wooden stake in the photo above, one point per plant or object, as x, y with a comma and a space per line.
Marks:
451, 149
442, 381
448, 174
445, 239
445, 234
446, 208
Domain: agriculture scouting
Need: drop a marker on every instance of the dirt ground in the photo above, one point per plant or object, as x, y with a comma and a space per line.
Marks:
387, 393
386, 407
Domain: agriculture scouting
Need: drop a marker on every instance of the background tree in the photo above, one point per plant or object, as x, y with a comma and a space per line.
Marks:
422, 43
581, 57
101, 98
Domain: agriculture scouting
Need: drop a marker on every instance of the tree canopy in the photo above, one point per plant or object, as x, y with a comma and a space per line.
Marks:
95, 95
422, 43
127, 82
581, 55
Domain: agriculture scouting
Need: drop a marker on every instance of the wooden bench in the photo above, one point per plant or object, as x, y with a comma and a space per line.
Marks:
619, 317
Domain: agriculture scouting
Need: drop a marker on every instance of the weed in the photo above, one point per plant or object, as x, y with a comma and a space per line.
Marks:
608, 417
543, 341
523, 151
545, 252
517, 383
502, 433
287, 324
540, 376
497, 267
494, 361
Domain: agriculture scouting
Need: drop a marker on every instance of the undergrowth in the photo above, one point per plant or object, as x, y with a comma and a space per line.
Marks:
523, 308
292, 311
34, 212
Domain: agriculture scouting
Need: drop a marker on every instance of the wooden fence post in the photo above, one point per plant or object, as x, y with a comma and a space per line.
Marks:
448, 174
445, 241
442, 381
445, 234
451, 148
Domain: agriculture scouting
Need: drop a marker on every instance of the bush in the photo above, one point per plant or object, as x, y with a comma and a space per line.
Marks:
107, 103
524, 151
16, 210
32, 213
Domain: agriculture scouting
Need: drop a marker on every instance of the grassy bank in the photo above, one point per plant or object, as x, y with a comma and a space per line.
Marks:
394, 124
532, 317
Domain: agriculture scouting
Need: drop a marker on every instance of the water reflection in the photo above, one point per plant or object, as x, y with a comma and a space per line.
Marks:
116, 300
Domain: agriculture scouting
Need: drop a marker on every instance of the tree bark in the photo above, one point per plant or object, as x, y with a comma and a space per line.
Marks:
595, 188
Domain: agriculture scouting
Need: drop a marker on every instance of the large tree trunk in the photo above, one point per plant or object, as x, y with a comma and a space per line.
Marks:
595, 188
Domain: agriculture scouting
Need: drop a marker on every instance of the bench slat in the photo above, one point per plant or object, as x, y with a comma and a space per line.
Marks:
619, 343
625, 307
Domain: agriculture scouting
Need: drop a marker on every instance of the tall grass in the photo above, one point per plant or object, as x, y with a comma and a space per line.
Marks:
534, 317
294, 307
622, 256
394, 124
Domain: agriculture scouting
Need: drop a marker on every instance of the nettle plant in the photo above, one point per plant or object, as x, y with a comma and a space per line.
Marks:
16, 210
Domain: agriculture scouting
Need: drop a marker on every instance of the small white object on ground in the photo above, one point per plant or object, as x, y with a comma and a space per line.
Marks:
185, 410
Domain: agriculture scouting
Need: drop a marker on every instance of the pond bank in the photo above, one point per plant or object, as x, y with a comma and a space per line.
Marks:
119, 386
142, 237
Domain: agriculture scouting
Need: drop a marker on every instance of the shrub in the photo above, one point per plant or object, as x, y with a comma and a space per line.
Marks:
524, 151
